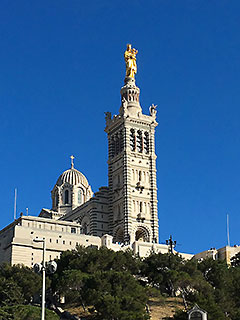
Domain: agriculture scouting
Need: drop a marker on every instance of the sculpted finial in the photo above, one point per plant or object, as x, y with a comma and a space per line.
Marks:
153, 110
72, 163
130, 59
108, 117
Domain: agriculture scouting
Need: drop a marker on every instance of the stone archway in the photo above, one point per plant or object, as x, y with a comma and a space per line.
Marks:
119, 235
142, 234
85, 223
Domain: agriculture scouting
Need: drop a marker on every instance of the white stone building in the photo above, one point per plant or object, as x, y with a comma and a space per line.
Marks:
122, 215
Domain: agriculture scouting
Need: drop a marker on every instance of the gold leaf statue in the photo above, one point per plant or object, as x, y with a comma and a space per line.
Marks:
130, 59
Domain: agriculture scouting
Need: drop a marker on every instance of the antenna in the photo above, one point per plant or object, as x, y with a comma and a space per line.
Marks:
15, 203
27, 211
228, 238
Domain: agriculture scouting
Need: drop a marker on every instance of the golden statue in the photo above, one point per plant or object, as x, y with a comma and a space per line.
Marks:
130, 59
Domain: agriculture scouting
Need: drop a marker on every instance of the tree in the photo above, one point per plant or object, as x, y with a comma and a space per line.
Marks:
18, 284
162, 271
235, 260
116, 296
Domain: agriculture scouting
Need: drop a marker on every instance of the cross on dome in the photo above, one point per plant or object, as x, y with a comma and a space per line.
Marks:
72, 161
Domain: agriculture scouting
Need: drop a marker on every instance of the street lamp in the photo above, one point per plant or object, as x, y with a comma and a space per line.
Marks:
43, 275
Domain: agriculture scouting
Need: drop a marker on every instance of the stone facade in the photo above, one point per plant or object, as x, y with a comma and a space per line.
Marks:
127, 208
17, 245
120, 216
132, 170
224, 253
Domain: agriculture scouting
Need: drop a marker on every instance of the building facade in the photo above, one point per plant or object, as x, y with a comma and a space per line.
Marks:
122, 215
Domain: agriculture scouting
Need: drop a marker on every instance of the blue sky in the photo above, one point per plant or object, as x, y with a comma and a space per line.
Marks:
62, 67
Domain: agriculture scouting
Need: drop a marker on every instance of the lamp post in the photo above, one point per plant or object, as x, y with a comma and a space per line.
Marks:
171, 244
43, 275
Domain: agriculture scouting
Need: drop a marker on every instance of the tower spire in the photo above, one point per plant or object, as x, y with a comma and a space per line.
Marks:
130, 92
72, 161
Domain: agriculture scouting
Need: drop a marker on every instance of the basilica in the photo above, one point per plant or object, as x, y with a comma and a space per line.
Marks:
122, 215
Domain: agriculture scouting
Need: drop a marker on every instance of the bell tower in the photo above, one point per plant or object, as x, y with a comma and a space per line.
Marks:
133, 212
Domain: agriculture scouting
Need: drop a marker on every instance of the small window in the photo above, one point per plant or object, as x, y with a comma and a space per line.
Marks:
63, 241
50, 240
66, 197
73, 230
80, 196
70, 242
140, 176
56, 199
57, 241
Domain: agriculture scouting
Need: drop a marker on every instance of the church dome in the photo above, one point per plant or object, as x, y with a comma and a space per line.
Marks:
70, 191
73, 177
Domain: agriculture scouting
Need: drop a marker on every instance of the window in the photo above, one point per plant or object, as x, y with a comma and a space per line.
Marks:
139, 141
63, 241
121, 141
140, 176
66, 197
70, 242
56, 199
112, 147
132, 140
84, 230
50, 240
80, 196
57, 241
73, 230
146, 142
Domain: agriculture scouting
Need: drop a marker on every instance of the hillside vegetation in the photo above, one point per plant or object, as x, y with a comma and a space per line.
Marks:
103, 284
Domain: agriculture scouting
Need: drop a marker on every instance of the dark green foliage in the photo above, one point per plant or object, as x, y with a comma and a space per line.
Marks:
22, 312
116, 284
235, 261
104, 279
18, 284
115, 295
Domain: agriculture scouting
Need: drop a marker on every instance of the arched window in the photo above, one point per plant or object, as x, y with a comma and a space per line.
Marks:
132, 140
56, 199
80, 196
139, 141
133, 174
121, 141
140, 176
117, 138
146, 142
84, 229
66, 197
112, 153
